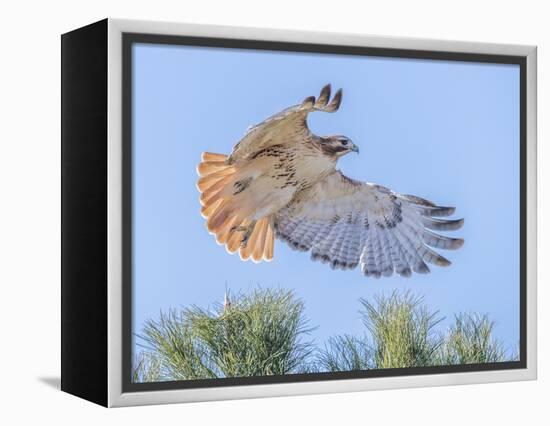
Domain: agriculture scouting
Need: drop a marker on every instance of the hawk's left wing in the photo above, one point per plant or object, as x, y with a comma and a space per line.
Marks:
286, 127
345, 223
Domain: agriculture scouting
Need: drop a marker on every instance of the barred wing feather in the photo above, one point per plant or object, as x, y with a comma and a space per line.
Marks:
347, 223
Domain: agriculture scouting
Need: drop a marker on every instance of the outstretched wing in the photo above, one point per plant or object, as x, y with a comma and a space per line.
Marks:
346, 223
287, 127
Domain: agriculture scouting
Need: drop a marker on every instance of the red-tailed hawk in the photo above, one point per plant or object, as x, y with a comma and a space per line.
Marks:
281, 180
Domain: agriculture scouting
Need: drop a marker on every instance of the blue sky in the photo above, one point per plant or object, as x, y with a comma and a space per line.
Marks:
447, 131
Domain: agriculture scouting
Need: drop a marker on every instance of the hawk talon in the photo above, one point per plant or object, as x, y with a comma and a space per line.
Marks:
244, 241
247, 230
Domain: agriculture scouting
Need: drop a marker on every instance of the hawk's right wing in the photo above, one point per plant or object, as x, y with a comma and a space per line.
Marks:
346, 223
288, 126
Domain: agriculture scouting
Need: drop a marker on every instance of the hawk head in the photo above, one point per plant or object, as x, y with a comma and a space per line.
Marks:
337, 145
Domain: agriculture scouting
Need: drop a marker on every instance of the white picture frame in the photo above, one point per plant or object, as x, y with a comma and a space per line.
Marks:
112, 390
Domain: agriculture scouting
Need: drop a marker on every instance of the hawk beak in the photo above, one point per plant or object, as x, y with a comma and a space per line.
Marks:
355, 148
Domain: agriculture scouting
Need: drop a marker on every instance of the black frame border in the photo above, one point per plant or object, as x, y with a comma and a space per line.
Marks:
84, 182
129, 39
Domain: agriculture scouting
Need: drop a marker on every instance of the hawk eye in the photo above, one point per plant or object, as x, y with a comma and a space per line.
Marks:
344, 142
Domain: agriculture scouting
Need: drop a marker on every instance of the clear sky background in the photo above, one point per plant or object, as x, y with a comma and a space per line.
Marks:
447, 131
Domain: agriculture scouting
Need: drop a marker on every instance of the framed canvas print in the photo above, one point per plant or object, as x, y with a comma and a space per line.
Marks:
251, 213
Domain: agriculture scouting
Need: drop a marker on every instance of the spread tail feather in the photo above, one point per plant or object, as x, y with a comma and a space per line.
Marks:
261, 241
211, 156
209, 182
224, 215
258, 249
269, 242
